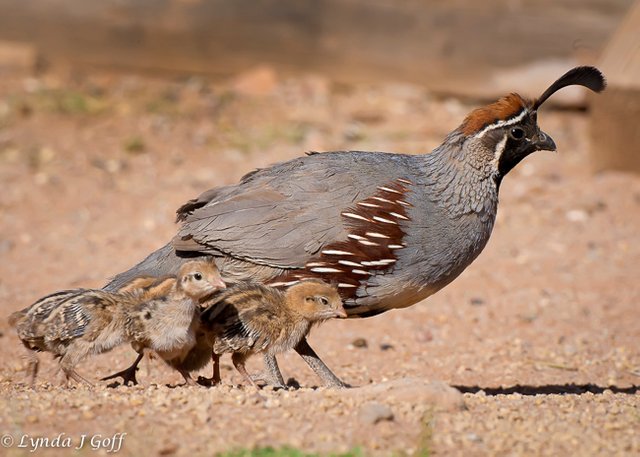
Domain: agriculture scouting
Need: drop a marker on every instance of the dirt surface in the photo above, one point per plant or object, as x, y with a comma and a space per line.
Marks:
539, 337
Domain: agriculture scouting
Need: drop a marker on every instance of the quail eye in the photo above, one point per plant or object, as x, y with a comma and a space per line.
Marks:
197, 277
323, 301
517, 133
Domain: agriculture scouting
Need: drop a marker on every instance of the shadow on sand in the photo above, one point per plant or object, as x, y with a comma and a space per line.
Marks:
570, 389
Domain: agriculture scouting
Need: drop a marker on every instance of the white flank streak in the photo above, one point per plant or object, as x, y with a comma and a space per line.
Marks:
366, 263
315, 264
383, 200
400, 216
386, 189
376, 235
368, 243
406, 181
395, 246
349, 263
355, 216
326, 270
382, 219
356, 237
335, 252
500, 124
403, 203
360, 272
379, 263
368, 205
344, 285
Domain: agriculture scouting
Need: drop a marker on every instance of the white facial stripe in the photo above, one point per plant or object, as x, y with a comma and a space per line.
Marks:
501, 124
499, 150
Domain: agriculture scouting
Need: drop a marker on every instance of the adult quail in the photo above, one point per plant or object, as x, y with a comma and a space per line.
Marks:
388, 229
251, 318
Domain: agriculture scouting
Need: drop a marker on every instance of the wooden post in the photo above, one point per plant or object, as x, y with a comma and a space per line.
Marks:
615, 116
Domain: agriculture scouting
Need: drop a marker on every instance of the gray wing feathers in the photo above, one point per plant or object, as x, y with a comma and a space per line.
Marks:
282, 215
159, 263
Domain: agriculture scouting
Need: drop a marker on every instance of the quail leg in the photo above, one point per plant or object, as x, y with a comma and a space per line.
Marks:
215, 378
272, 375
32, 365
216, 368
238, 360
75, 353
188, 380
317, 365
73, 374
129, 374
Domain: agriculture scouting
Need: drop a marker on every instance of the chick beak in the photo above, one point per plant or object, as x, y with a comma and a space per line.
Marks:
340, 313
544, 142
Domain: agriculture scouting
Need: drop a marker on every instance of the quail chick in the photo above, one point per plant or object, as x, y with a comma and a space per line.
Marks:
29, 321
145, 288
162, 317
251, 318
28, 324
168, 325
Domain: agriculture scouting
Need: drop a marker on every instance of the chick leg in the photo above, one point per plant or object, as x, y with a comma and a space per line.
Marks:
215, 379
75, 353
32, 365
188, 380
128, 375
238, 359
272, 374
317, 365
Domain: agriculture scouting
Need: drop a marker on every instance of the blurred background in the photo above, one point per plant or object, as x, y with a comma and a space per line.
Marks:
113, 113
459, 47
467, 50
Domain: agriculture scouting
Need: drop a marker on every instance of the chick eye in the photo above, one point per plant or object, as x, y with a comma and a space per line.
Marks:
517, 133
323, 301
197, 277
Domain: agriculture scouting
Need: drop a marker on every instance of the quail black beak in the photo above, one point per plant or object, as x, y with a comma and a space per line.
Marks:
544, 142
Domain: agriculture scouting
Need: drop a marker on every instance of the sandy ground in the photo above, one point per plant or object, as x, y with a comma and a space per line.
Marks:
539, 337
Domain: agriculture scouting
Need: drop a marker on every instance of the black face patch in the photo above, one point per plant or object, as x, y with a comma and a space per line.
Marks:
147, 315
517, 146
512, 155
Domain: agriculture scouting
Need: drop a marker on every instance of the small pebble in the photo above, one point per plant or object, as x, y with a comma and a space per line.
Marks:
577, 215
360, 343
373, 412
